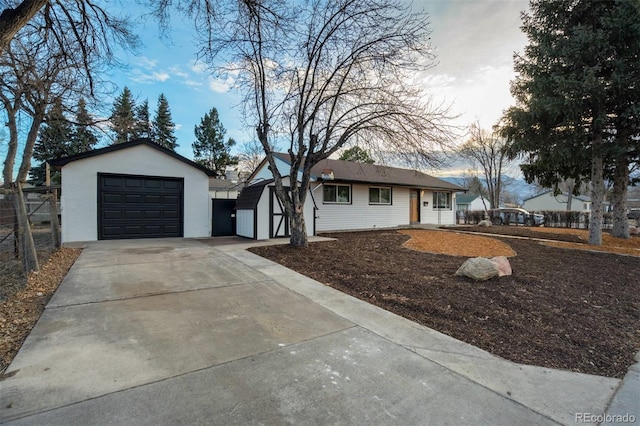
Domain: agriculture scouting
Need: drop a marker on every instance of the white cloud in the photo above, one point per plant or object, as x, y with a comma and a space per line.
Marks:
178, 72
155, 76
438, 80
192, 83
198, 68
219, 86
222, 85
160, 76
146, 63
474, 43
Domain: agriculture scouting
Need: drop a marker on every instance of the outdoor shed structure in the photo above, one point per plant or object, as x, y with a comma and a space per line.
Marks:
136, 189
346, 196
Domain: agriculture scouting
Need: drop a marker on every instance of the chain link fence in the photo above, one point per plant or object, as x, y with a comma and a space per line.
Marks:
26, 243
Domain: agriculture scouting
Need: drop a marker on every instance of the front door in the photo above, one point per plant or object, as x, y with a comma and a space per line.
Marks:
414, 205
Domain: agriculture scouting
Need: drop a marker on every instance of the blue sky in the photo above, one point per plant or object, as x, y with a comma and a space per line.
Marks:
474, 42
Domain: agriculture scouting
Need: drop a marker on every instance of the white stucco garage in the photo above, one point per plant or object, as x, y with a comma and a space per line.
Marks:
136, 189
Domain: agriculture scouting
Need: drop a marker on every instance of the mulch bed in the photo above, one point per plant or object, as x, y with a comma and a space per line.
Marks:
561, 308
529, 232
21, 305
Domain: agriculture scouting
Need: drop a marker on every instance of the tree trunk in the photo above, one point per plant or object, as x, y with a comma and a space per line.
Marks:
12, 20
26, 245
597, 193
12, 149
571, 184
27, 153
298, 236
619, 199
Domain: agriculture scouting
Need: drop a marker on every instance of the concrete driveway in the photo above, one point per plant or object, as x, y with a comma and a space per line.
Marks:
178, 331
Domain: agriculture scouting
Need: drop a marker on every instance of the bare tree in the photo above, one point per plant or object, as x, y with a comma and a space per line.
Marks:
487, 149
319, 74
84, 24
56, 55
26, 89
250, 156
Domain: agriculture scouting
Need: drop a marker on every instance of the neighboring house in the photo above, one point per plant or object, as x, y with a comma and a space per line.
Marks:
546, 201
471, 202
135, 189
224, 188
346, 196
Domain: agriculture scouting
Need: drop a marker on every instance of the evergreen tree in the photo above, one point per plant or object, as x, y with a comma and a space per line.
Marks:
123, 123
210, 149
576, 89
163, 126
143, 121
357, 155
82, 138
53, 142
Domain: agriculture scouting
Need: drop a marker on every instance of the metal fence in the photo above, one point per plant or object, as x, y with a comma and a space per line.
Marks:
552, 219
41, 226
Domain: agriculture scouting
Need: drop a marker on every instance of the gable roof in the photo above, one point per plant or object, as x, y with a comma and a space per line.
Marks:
62, 161
466, 198
224, 185
349, 171
584, 198
250, 195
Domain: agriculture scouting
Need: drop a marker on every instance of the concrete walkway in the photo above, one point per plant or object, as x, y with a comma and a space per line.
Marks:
178, 331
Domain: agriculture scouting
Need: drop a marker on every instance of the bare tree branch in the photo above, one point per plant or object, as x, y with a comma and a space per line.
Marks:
489, 151
324, 74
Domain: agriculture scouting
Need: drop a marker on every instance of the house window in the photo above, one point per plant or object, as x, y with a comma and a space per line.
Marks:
340, 194
379, 195
442, 200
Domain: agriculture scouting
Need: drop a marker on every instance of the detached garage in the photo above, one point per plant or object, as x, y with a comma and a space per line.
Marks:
136, 189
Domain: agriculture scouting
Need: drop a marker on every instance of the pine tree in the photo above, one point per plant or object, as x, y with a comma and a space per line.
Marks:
122, 118
163, 126
82, 138
357, 155
53, 142
210, 149
143, 121
576, 93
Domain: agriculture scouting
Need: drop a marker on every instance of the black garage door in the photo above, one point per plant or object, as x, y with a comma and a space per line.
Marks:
139, 207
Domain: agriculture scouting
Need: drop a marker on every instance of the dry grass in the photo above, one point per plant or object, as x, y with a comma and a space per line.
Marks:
610, 244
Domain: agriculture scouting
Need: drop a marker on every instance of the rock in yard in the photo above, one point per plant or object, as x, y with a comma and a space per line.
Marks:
634, 230
479, 269
485, 222
504, 267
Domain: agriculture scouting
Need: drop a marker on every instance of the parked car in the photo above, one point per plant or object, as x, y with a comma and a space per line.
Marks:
515, 216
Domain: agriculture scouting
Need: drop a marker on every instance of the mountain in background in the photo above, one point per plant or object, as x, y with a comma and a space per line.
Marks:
520, 189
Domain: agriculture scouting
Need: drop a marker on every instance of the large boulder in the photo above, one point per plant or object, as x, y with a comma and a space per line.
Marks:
479, 269
485, 222
504, 267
